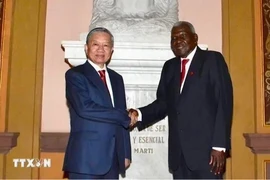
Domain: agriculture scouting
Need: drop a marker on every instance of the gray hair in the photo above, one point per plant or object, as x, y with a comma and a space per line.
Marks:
185, 23
99, 29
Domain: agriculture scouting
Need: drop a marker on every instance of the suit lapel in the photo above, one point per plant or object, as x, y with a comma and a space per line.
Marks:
114, 87
94, 77
177, 74
174, 79
194, 71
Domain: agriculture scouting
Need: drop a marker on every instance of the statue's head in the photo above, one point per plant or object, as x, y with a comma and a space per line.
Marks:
134, 8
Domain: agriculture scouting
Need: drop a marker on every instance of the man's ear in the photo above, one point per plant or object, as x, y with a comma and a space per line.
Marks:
85, 49
112, 53
108, 62
196, 38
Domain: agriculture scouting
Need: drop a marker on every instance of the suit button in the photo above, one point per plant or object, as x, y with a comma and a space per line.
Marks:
178, 113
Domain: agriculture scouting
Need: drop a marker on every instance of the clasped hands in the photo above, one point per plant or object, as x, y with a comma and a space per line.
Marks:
133, 114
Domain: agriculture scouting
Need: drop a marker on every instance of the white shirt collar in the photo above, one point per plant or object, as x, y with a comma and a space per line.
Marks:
96, 67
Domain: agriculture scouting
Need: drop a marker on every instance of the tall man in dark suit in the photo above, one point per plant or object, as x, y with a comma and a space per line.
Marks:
99, 142
195, 91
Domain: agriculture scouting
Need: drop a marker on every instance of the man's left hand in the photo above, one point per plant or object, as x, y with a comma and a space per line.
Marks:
217, 161
127, 163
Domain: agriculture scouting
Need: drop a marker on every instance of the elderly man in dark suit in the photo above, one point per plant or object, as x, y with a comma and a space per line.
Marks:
195, 91
99, 142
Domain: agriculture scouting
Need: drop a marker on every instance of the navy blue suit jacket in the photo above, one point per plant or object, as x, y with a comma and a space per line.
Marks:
201, 116
97, 128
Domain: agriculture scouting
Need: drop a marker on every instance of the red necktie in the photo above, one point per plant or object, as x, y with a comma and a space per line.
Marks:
103, 78
183, 71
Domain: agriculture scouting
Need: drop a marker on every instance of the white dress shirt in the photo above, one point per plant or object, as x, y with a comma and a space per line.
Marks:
189, 57
108, 81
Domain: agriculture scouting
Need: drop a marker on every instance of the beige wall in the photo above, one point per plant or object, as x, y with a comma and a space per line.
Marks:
66, 20
205, 15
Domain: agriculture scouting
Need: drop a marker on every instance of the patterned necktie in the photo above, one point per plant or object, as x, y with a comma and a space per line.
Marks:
183, 71
103, 77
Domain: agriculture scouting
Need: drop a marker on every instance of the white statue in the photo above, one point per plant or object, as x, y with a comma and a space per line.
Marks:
132, 18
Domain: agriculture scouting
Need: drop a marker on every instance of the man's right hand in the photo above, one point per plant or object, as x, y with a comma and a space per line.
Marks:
133, 114
217, 161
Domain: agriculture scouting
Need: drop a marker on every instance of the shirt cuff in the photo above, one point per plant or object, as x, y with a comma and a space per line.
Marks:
140, 115
219, 149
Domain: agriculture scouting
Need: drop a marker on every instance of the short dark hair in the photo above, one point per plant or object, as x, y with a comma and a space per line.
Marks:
99, 29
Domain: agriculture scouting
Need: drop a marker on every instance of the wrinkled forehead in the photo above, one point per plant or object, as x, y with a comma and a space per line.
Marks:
100, 36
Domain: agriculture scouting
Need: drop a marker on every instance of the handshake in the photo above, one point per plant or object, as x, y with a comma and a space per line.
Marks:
133, 114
